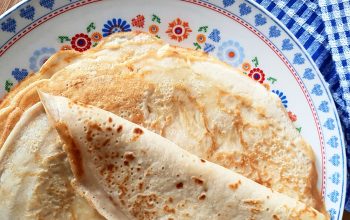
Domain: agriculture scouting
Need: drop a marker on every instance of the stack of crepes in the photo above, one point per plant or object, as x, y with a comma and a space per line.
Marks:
137, 129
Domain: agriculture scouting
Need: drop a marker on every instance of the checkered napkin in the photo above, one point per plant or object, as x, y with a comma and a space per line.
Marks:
323, 28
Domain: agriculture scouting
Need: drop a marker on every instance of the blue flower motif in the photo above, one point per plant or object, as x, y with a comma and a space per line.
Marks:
335, 160
298, 59
244, 9
9, 25
333, 142
19, 74
335, 178
287, 45
28, 12
323, 106
334, 196
114, 25
274, 32
329, 124
228, 2
215, 35
259, 20
208, 48
282, 97
308, 74
332, 213
231, 52
47, 3
39, 57
317, 90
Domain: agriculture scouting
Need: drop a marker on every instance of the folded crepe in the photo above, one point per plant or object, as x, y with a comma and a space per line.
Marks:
201, 104
128, 172
35, 174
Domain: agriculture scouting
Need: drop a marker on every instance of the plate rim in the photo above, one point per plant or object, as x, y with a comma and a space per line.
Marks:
300, 47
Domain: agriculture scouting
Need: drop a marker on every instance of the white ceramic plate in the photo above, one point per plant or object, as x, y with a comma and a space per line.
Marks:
238, 32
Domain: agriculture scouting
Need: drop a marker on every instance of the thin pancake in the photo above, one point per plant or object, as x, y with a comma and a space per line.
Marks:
196, 101
128, 172
35, 174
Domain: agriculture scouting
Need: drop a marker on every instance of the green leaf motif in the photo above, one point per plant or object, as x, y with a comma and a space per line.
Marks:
8, 85
63, 38
272, 80
203, 29
90, 27
299, 129
255, 61
198, 47
156, 18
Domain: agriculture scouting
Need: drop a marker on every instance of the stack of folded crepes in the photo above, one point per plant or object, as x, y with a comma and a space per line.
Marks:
181, 136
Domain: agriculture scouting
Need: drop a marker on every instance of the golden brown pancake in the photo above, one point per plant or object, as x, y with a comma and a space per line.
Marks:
128, 172
201, 104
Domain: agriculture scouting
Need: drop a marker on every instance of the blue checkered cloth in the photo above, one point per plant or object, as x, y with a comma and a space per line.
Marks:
323, 28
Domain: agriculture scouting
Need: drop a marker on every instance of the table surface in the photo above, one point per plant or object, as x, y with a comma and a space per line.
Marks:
6, 4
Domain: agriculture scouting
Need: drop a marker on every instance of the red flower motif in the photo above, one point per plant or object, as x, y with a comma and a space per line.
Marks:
257, 74
138, 21
178, 30
292, 116
81, 42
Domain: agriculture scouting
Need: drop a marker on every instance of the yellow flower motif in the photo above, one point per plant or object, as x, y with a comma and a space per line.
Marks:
153, 29
96, 36
246, 66
201, 38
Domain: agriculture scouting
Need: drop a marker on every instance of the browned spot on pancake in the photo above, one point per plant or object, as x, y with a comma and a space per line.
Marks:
203, 161
131, 68
72, 150
202, 196
197, 180
120, 128
138, 131
95, 126
234, 186
143, 206
91, 128
140, 185
170, 199
167, 209
275, 217
252, 202
110, 120
126, 163
179, 185
110, 167
105, 142
255, 206
89, 135
122, 187
109, 129
129, 156
170, 219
